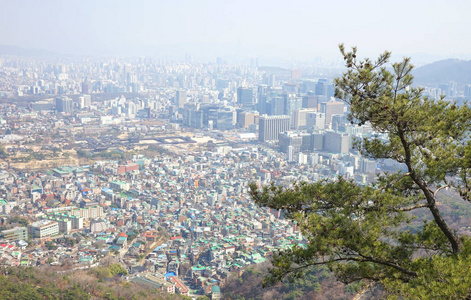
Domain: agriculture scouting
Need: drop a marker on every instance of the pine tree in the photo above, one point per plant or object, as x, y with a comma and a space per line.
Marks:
359, 231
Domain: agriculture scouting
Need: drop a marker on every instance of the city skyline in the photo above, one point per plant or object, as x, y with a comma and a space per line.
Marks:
298, 30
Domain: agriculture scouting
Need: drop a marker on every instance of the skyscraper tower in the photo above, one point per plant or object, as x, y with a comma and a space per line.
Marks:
245, 96
64, 104
271, 126
180, 98
332, 108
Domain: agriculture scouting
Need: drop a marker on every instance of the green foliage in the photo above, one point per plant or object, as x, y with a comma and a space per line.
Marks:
83, 154
75, 293
113, 155
110, 271
17, 219
361, 232
16, 290
50, 245
131, 237
43, 283
316, 281
439, 277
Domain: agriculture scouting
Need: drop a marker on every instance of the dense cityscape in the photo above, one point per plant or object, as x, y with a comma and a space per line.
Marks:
149, 163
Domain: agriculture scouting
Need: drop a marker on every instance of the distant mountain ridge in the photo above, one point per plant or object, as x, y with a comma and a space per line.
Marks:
18, 51
444, 71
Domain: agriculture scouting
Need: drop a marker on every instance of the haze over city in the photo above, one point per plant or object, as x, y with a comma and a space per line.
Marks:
212, 149
297, 30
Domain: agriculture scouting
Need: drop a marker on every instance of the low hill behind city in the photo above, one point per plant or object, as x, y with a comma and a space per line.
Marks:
444, 71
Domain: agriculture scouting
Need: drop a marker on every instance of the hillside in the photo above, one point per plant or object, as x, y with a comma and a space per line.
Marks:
444, 71
317, 284
48, 283
18, 51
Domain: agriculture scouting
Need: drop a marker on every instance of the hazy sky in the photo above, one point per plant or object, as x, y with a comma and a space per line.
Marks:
289, 28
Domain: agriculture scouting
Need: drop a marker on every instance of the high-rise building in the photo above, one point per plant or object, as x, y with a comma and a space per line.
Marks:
317, 141
180, 98
245, 96
321, 87
332, 108
277, 106
245, 119
226, 118
292, 103
84, 101
300, 117
315, 120
310, 102
131, 108
289, 138
290, 153
271, 126
196, 119
64, 104
336, 142
85, 87
87, 100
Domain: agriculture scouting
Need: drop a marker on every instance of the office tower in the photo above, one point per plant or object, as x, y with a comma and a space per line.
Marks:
226, 118
245, 119
131, 108
367, 165
209, 112
315, 120
336, 142
330, 90
271, 126
186, 116
287, 139
262, 99
245, 96
302, 159
277, 106
290, 153
264, 106
452, 89
299, 118
271, 80
309, 102
317, 141
339, 122
305, 141
87, 100
321, 87
64, 104
292, 103
212, 115
85, 87
196, 119
314, 158
332, 108
180, 98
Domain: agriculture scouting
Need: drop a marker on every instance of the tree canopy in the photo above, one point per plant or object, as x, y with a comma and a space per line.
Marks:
359, 231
